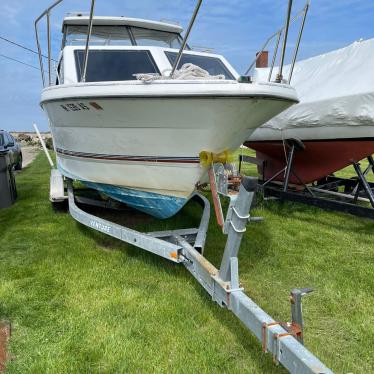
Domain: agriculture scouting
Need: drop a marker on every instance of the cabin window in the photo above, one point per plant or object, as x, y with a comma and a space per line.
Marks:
211, 64
101, 35
114, 65
148, 37
1, 139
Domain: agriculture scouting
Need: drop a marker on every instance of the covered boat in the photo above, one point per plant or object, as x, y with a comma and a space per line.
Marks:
123, 124
334, 120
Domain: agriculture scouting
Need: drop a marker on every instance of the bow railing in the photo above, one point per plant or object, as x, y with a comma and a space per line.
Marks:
278, 36
47, 14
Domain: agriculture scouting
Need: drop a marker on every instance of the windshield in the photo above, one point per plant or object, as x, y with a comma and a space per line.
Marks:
147, 37
101, 35
121, 36
1, 139
114, 65
213, 65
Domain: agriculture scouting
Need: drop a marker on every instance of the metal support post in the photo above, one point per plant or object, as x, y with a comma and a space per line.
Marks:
185, 39
356, 190
40, 54
200, 240
236, 223
296, 51
275, 339
371, 163
273, 177
283, 53
89, 31
45, 13
275, 54
297, 310
288, 168
49, 47
364, 183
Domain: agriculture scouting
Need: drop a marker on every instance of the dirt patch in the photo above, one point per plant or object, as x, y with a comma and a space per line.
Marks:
28, 155
4, 339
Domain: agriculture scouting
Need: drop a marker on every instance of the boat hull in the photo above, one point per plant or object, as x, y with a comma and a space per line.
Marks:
150, 145
334, 119
156, 205
319, 159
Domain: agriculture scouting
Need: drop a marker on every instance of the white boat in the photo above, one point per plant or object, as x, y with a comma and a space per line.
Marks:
334, 119
139, 139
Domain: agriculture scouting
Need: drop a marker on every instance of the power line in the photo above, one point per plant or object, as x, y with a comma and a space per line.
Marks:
23, 47
20, 62
19, 45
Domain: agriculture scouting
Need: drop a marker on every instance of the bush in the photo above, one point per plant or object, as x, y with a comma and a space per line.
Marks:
49, 143
24, 138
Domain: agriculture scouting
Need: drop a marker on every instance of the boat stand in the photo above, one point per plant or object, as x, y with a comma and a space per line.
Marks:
332, 193
186, 247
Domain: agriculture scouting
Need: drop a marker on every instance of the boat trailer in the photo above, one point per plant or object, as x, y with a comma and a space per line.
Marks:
284, 341
348, 195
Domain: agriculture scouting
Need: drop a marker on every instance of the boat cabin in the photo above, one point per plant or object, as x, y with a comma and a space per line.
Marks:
121, 47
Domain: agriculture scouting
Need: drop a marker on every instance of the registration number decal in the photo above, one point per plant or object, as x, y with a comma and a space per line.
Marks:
77, 107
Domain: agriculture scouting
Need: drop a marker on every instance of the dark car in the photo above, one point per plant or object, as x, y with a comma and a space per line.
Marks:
8, 142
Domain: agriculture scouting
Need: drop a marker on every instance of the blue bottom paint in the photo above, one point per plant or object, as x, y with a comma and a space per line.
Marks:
159, 206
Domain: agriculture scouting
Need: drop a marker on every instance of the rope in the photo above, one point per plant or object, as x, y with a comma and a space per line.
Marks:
186, 72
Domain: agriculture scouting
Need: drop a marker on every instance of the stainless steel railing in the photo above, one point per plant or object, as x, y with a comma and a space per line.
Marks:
85, 61
283, 31
47, 14
278, 34
301, 31
286, 28
185, 39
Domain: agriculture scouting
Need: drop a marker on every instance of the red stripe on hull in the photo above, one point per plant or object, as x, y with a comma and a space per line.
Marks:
316, 161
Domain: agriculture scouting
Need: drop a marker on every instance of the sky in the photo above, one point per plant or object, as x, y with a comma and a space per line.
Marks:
234, 28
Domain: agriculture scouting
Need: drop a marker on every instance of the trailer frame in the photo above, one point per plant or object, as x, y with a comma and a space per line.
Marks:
186, 247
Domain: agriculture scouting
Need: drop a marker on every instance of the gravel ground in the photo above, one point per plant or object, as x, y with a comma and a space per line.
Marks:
29, 154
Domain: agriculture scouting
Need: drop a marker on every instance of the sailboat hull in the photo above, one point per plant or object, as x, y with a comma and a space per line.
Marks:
319, 159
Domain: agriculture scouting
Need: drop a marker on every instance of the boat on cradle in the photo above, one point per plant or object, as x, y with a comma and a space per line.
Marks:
334, 119
124, 124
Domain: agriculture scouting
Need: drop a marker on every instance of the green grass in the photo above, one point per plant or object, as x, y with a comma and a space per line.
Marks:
349, 171
246, 168
81, 302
